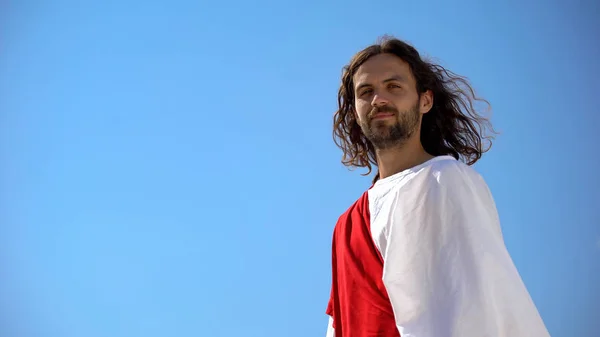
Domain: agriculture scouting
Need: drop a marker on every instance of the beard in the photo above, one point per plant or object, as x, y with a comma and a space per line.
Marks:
384, 134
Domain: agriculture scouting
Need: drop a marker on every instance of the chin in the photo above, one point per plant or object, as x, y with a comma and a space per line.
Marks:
383, 125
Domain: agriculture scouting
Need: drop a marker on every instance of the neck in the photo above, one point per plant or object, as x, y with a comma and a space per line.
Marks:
399, 158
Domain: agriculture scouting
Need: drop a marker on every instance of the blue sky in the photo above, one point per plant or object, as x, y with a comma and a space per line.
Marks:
168, 168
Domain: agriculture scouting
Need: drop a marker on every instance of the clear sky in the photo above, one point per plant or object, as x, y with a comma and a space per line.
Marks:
168, 167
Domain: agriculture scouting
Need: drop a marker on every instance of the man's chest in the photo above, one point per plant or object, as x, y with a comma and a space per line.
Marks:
382, 205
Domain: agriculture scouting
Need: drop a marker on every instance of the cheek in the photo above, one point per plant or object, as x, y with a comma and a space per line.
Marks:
362, 110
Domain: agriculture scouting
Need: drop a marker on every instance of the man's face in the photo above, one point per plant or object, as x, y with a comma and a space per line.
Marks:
388, 107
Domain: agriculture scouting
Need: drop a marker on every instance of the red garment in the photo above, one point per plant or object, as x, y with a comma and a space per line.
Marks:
359, 303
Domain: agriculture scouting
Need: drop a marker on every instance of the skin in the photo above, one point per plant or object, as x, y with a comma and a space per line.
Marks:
389, 111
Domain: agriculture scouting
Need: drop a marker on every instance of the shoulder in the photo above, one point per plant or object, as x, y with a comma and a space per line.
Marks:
438, 178
449, 173
449, 180
358, 207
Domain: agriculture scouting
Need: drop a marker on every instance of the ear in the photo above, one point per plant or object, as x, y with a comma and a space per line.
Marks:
425, 101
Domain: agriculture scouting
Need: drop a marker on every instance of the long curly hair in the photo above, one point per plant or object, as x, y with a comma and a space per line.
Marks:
452, 126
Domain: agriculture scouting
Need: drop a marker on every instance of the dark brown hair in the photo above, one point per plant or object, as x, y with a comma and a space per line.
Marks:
452, 126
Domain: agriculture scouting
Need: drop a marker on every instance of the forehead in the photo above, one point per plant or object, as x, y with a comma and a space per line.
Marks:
381, 67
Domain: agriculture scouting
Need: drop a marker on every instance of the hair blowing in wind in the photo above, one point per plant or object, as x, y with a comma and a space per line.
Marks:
453, 126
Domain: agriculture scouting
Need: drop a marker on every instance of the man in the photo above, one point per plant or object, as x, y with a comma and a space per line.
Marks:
420, 253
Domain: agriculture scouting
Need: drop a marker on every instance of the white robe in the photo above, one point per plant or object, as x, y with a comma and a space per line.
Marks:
446, 268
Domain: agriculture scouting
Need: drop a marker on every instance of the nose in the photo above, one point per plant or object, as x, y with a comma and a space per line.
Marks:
379, 100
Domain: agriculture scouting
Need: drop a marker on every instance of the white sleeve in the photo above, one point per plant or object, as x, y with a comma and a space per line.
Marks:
330, 331
446, 268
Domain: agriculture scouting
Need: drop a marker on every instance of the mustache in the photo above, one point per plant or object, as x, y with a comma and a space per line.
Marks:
383, 109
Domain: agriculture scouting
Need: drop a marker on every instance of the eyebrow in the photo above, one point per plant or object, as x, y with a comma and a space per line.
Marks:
389, 79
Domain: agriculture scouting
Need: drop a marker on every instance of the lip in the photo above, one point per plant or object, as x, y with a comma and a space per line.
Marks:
383, 115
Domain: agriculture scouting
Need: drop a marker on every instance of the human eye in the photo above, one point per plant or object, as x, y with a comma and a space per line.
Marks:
365, 92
